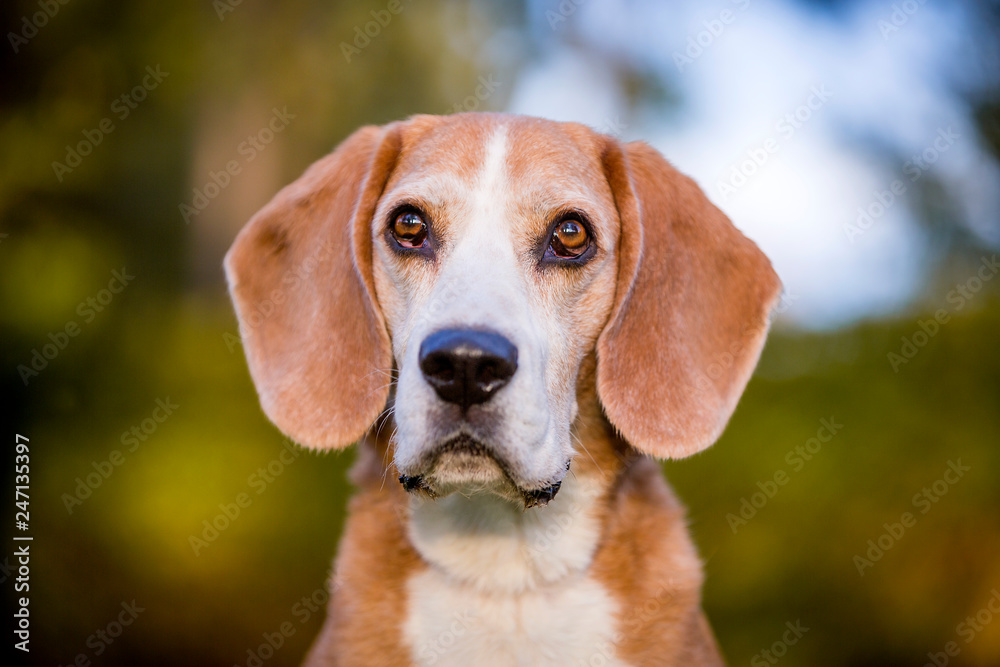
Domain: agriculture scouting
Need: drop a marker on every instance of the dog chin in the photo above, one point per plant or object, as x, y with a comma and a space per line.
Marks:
465, 466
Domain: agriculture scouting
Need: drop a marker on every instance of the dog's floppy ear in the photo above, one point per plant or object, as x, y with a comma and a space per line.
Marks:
300, 276
691, 310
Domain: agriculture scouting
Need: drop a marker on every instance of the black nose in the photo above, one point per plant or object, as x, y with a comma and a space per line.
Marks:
467, 367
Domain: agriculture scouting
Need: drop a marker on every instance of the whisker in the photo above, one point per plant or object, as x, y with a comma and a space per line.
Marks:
391, 372
587, 451
385, 459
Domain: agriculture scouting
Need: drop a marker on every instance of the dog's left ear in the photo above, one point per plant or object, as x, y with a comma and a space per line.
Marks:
300, 274
691, 311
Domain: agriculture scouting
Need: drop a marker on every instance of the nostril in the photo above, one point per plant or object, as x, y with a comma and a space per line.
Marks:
438, 366
494, 374
465, 366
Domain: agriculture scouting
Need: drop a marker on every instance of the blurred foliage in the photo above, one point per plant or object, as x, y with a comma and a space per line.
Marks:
794, 558
168, 335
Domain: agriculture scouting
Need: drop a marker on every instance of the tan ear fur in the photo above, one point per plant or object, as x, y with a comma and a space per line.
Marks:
300, 277
691, 311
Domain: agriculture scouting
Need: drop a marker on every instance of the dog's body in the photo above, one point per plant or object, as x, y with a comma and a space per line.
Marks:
557, 306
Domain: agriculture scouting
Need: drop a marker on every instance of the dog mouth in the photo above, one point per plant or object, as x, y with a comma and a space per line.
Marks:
462, 464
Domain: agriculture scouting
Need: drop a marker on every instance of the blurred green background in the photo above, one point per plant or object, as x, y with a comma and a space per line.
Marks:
168, 337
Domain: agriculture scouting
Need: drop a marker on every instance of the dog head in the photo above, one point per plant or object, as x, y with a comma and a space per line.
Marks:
460, 270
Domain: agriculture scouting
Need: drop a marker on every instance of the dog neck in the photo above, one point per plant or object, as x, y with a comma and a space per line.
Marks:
495, 545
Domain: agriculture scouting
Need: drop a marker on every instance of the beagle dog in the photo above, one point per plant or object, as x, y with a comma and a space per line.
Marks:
514, 317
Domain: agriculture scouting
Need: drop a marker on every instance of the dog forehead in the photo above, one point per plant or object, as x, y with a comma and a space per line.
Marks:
540, 162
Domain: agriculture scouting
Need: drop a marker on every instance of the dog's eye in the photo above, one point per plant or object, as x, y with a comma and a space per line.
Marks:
569, 239
409, 230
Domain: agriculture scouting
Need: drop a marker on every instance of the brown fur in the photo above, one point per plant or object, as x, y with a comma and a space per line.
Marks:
691, 312
368, 604
688, 320
319, 328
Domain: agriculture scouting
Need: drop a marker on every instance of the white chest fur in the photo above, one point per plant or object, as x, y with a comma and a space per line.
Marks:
508, 587
565, 624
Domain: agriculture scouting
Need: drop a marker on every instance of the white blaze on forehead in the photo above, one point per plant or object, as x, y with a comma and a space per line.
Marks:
484, 234
491, 187
483, 259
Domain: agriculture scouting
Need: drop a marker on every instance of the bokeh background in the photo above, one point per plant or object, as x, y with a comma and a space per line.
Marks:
856, 142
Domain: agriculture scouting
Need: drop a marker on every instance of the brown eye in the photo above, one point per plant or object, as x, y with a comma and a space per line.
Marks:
570, 239
409, 230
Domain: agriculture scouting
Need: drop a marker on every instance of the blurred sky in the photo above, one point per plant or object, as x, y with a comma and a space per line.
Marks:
889, 76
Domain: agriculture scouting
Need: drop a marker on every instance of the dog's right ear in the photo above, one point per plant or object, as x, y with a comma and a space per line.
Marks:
300, 276
691, 311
